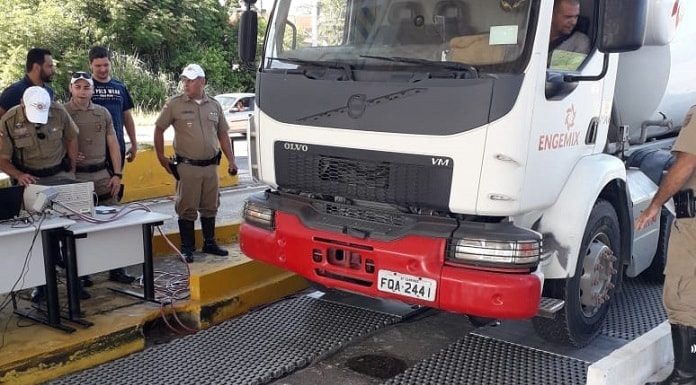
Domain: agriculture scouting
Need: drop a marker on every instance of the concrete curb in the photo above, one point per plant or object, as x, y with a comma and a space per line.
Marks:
224, 234
636, 361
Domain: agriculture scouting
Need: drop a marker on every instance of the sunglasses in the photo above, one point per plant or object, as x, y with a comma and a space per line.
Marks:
82, 75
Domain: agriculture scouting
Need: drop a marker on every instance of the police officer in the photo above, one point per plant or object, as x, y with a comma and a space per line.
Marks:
38, 140
38, 144
96, 136
680, 271
200, 130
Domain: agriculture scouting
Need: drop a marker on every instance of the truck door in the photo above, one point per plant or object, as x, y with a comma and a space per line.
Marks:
566, 120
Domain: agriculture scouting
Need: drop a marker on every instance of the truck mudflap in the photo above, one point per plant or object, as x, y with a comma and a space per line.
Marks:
411, 269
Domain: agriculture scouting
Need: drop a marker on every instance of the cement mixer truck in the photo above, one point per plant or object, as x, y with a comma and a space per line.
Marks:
436, 152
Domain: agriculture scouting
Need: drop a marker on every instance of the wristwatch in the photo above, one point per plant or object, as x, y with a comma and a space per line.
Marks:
118, 174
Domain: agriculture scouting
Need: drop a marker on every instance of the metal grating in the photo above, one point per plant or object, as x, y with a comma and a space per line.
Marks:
479, 360
636, 310
253, 349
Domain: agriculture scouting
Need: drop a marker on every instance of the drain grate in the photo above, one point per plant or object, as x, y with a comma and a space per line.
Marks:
479, 360
636, 310
253, 349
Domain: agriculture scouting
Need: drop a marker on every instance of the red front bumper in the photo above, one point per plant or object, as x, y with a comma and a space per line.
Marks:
344, 262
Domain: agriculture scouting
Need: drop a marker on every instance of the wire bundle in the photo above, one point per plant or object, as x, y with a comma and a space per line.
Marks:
169, 286
173, 287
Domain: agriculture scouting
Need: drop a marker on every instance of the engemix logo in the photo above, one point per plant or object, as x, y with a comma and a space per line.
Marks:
558, 140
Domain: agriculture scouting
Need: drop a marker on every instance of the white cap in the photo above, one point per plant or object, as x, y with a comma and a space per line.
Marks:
81, 75
36, 104
193, 71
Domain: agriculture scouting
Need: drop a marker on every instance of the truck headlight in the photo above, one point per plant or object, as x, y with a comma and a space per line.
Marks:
500, 253
259, 215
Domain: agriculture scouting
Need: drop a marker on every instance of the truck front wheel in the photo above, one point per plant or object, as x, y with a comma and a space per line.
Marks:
587, 294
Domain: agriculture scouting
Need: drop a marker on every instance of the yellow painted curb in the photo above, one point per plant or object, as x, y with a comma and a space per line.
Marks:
220, 293
78, 361
220, 290
220, 282
273, 289
145, 178
224, 234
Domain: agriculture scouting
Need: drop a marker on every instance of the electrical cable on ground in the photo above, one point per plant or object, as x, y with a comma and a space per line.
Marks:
168, 286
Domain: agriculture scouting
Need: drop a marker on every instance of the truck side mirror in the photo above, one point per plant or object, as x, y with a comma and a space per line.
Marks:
248, 27
622, 25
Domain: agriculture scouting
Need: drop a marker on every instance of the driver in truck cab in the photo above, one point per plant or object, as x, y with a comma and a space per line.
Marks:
564, 37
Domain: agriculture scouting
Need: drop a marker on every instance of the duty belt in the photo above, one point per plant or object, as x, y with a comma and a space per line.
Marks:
91, 167
43, 172
200, 163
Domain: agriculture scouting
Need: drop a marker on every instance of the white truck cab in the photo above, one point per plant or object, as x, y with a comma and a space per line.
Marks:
436, 151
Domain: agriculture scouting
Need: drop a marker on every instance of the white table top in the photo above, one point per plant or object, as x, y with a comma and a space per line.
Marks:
22, 266
130, 219
13, 228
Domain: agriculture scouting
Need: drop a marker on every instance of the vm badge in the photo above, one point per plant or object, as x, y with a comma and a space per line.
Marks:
441, 162
295, 147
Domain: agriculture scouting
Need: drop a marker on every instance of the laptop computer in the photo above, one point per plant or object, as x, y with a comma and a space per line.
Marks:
10, 202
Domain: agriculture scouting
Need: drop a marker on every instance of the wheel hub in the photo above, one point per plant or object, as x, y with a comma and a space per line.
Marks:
597, 273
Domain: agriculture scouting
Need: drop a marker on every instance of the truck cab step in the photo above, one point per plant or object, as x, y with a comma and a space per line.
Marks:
549, 306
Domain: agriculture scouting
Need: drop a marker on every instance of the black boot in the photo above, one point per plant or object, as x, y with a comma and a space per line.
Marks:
188, 240
119, 275
83, 294
209, 245
684, 373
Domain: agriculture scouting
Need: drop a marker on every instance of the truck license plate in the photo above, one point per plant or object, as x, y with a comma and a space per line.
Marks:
408, 285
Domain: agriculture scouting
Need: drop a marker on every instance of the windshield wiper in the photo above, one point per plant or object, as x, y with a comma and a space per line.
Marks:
347, 68
450, 65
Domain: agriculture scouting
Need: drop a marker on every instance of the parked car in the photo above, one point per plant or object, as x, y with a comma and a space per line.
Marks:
238, 109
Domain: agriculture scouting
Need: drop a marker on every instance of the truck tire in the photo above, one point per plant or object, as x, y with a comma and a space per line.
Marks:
588, 293
655, 272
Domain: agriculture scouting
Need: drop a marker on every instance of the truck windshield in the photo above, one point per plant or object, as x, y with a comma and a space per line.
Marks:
481, 35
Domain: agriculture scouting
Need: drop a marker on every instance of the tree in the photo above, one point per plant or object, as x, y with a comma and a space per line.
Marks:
153, 39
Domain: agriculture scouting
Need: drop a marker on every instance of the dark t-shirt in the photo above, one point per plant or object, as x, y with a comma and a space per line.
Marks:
12, 95
114, 96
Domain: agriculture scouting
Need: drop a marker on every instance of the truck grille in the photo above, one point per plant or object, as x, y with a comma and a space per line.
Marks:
366, 215
403, 179
352, 172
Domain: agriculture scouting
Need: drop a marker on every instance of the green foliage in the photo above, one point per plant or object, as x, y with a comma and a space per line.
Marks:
148, 90
49, 24
153, 40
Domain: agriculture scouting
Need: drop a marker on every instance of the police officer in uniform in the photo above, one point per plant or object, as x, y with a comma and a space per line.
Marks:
38, 140
38, 144
679, 293
96, 136
200, 131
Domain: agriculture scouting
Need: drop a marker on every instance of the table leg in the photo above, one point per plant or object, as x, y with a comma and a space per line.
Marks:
73, 281
148, 264
49, 240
